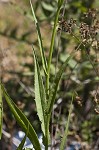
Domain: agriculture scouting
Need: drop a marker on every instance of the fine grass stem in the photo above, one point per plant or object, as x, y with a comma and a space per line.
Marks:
64, 139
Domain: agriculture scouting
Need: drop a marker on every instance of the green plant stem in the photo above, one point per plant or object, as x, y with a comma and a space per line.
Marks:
48, 70
48, 74
51, 48
64, 139
47, 132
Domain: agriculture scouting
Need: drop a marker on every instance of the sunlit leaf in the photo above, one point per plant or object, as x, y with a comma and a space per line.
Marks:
40, 97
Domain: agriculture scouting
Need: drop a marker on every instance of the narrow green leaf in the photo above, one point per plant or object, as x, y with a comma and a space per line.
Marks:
21, 145
28, 149
44, 63
52, 45
60, 2
40, 97
54, 88
1, 112
64, 139
48, 6
31, 132
22, 121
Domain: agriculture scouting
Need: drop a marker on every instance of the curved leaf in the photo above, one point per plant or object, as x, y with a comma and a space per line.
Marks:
22, 120
28, 149
48, 6
40, 97
54, 88
60, 2
39, 40
21, 145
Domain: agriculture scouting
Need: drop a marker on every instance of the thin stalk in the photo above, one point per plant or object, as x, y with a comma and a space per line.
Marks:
56, 67
51, 48
64, 139
47, 132
58, 47
48, 72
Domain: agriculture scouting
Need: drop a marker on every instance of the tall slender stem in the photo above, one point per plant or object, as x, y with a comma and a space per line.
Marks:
51, 48
48, 72
47, 132
48, 69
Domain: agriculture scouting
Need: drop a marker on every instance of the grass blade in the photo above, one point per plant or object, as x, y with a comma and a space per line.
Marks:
60, 2
28, 149
40, 97
1, 111
21, 145
54, 88
64, 139
39, 40
22, 121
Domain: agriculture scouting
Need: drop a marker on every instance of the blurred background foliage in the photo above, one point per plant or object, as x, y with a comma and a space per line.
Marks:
17, 33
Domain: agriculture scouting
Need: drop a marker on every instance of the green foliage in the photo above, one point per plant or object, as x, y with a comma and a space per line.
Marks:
39, 40
40, 96
21, 145
27, 149
54, 87
22, 120
83, 78
60, 3
64, 139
